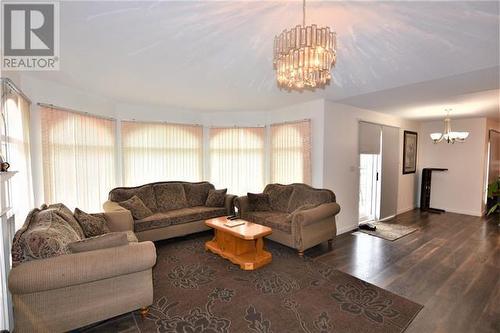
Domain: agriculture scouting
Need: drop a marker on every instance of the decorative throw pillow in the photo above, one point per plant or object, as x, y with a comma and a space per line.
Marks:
137, 207
259, 202
216, 198
105, 241
92, 224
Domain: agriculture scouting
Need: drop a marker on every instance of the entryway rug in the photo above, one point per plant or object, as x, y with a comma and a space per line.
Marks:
198, 291
389, 231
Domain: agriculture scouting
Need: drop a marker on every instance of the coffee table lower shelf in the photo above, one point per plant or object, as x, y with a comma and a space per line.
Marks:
249, 254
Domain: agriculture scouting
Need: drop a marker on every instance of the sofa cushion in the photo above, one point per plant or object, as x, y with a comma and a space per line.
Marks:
259, 202
279, 196
178, 216
45, 234
302, 196
138, 209
197, 193
92, 224
145, 193
67, 215
273, 220
105, 241
216, 198
170, 196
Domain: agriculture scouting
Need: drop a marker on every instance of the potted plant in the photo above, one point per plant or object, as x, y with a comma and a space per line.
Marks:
494, 196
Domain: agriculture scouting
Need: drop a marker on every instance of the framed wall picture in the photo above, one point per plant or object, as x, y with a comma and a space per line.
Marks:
410, 152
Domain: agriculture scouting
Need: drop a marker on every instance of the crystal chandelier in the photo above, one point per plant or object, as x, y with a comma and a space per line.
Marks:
304, 56
448, 135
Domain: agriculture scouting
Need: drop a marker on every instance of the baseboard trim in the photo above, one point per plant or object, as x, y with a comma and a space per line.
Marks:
346, 230
387, 218
464, 212
405, 210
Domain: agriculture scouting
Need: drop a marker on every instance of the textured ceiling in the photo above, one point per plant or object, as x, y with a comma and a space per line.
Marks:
218, 55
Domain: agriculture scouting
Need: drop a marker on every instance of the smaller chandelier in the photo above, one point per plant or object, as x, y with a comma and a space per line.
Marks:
448, 135
303, 56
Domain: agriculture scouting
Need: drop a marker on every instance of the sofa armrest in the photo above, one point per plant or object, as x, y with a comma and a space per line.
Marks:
309, 216
111, 206
229, 203
120, 220
73, 269
242, 204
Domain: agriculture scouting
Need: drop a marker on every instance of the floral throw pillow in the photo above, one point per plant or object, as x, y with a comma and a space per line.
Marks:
216, 198
92, 224
137, 207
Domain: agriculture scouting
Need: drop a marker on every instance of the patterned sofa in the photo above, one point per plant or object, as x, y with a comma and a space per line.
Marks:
176, 208
300, 215
55, 289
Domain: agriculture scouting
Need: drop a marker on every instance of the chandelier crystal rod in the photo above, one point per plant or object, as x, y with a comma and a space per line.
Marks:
303, 13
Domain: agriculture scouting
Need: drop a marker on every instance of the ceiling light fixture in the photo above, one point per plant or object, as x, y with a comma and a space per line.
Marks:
303, 56
448, 135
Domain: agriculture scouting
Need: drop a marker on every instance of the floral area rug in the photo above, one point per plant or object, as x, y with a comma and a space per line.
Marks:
198, 291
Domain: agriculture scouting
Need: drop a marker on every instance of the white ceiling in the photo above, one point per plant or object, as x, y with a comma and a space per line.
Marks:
218, 55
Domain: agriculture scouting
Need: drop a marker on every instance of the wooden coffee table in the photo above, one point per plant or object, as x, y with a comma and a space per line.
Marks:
242, 245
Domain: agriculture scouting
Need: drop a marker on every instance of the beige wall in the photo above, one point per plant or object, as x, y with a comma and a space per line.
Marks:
461, 188
341, 169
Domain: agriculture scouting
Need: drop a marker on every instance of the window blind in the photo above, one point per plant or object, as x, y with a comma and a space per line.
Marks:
291, 152
78, 158
17, 112
237, 159
159, 151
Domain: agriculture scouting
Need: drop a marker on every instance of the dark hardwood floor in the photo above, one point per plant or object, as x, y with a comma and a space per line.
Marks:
451, 265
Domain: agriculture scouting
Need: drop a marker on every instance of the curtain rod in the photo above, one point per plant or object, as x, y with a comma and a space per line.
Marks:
235, 126
291, 122
13, 86
52, 106
157, 122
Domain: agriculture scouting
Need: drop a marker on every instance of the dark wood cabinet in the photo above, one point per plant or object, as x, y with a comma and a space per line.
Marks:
425, 192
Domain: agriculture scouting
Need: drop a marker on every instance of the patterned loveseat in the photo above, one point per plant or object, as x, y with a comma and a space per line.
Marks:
300, 215
56, 288
173, 208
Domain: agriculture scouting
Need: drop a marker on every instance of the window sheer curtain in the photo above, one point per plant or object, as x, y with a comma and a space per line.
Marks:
78, 158
158, 151
291, 152
17, 116
237, 159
